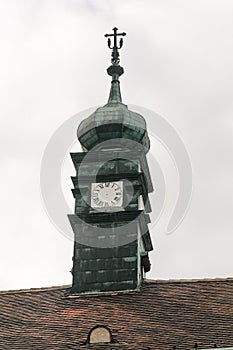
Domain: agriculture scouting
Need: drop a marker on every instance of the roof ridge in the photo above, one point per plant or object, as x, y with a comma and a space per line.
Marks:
36, 289
146, 281
189, 280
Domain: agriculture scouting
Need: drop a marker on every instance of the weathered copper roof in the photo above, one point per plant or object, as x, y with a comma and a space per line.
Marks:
164, 315
113, 121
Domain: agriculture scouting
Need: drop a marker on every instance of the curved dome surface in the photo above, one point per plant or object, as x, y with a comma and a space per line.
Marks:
114, 120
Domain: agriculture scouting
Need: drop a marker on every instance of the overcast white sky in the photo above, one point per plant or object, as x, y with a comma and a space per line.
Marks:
178, 59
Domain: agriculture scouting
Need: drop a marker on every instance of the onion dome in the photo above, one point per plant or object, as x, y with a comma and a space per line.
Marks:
114, 120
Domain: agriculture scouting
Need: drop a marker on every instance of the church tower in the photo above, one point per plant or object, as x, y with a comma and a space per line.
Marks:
111, 186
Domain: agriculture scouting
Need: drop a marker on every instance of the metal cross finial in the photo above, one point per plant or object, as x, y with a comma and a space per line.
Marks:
115, 48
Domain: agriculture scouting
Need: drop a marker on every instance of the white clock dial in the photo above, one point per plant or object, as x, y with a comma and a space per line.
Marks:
107, 194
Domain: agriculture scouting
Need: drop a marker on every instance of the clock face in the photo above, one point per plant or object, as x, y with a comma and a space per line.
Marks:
107, 194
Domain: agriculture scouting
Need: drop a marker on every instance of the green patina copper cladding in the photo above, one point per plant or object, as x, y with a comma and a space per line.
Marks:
84, 233
114, 120
123, 162
125, 233
95, 269
115, 93
103, 270
117, 169
117, 268
98, 270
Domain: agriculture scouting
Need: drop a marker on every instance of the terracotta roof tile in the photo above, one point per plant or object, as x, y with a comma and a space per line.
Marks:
164, 314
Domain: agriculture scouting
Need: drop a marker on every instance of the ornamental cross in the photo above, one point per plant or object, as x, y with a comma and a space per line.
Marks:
115, 48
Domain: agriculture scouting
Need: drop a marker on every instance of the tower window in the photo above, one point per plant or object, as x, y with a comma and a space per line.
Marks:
99, 335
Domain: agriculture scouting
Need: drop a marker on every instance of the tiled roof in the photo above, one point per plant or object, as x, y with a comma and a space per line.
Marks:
164, 315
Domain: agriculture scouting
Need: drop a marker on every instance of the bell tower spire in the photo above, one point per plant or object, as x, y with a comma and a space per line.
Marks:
111, 234
115, 70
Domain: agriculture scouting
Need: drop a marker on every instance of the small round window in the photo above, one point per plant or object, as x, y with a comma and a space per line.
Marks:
99, 334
